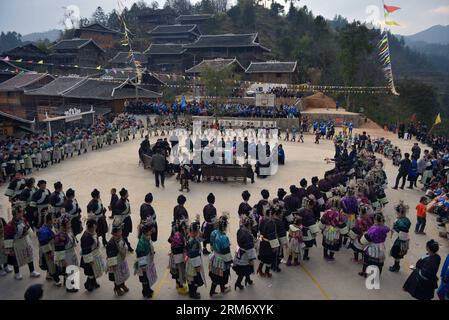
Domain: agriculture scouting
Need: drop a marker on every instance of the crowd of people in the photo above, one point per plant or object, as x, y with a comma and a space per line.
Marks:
344, 209
209, 109
34, 152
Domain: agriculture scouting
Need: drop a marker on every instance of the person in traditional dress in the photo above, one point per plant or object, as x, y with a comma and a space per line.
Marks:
15, 187
96, 211
144, 266
350, 207
281, 231
374, 239
17, 244
65, 245
362, 224
179, 211
148, 215
25, 199
122, 211
333, 226
46, 237
295, 242
117, 265
309, 226
177, 242
245, 254
268, 243
220, 259
39, 201
210, 220
423, 281
400, 236
91, 260
194, 264
72, 208
56, 200
114, 199
244, 207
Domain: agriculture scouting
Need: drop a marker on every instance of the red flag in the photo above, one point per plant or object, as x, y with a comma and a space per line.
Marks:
413, 118
391, 9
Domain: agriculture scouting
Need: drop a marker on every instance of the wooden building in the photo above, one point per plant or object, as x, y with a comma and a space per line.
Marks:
13, 99
80, 52
9, 70
104, 37
69, 91
124, 60
11, 124
148, 81
177, 33
167, 57
26, 52
244, 47
217, 64
272, 72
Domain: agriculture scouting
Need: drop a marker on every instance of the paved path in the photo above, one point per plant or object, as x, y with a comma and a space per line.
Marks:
117, 166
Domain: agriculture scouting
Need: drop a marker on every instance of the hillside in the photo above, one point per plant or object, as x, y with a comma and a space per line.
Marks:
434, 35
51, 35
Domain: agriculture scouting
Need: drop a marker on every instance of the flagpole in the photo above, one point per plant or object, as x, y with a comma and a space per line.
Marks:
392, 86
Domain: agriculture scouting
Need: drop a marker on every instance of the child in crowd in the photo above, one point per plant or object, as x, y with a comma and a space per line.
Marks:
421, 212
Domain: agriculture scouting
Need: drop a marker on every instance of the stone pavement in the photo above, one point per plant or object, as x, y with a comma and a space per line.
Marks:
117, 166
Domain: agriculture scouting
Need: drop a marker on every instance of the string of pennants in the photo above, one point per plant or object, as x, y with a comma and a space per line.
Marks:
384, 50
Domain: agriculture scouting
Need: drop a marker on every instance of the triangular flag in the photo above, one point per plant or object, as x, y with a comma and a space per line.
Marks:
40, 62
98, 68
6, 59
76, 66
438, 119
30, 61
19, 60
392, 23
413, 118
391, 9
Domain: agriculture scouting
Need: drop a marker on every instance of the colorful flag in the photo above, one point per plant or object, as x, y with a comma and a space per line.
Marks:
413, 118
391, 9
6, 59
438, 119
392, 23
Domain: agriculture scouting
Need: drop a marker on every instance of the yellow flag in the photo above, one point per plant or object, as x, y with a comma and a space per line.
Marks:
392, 23
41, 62
438, 119
99, 68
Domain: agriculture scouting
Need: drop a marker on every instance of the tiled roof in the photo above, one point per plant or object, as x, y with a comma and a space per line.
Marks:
193, 17
25, 51
271, 66
57, 87
226, 41
165, 48
124, 58
73, 44
216, 64
107, 90
97, 27
174, 28
21, 80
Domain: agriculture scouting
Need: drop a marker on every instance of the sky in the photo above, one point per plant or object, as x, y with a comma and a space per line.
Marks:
26, 16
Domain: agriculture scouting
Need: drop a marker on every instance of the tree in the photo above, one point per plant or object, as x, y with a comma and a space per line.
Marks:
99, 16
114, 21
276, 9
218, 83
10, 40
179, 6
